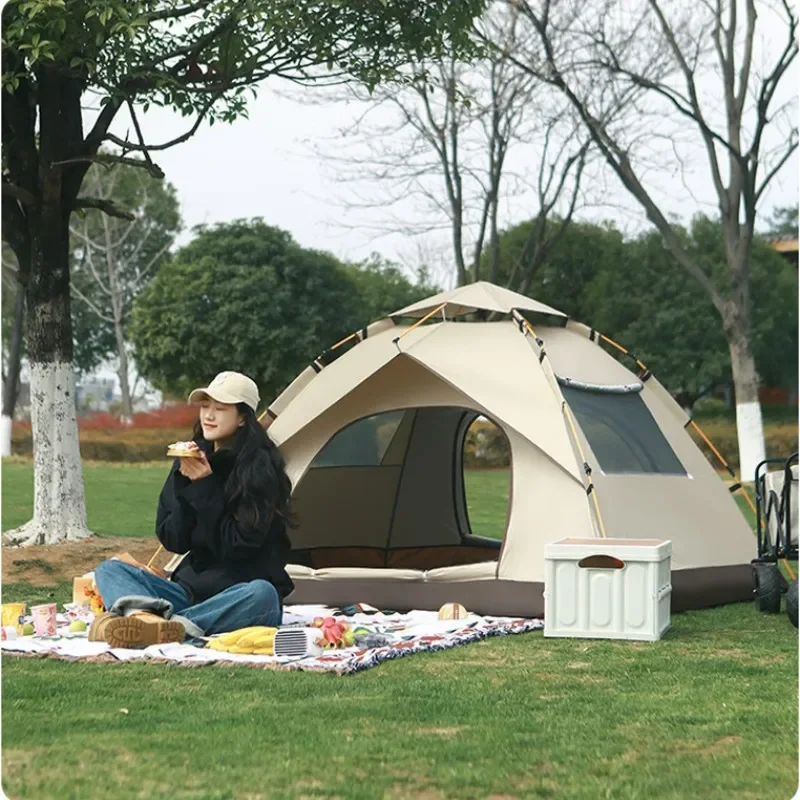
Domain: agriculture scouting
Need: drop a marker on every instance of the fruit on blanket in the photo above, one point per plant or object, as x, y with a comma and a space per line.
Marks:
257, 639
317, 622
330, 635
27, 629
76, 626
349, 638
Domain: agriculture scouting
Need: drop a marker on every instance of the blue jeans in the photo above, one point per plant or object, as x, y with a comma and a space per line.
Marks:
239, 606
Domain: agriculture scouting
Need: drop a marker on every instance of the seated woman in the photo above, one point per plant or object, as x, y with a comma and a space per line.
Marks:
228, 509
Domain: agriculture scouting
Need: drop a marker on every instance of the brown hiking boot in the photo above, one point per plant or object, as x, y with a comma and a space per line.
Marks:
140, 629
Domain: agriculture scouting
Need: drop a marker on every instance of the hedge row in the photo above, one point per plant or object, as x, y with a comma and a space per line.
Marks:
486, 446
780, 440
145, 444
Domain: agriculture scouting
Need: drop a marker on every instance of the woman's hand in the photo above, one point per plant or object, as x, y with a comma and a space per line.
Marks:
195, 468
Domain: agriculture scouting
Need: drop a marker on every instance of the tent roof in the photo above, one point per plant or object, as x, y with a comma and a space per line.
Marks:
476, 296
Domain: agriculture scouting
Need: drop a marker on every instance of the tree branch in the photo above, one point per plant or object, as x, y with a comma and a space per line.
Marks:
774, 171
80, 295
106, 206
709, 136
153, 169
89, 259
107, 159
176, 13
178, 140
18, 193
770, 83
618, 159
747, 59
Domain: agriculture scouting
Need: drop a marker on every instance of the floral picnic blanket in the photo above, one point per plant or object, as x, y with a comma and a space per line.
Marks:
414, 632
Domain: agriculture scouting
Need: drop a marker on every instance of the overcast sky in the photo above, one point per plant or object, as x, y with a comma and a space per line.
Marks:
267, 166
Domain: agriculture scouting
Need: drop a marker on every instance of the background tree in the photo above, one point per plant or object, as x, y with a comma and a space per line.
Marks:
629, 289
90, 346
447, 144
383, 287
667, 56
783, 223
13, 321
245, 296
567, 277
114, 259
197, 58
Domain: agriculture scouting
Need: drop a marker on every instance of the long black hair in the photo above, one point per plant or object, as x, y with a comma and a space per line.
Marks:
258, 485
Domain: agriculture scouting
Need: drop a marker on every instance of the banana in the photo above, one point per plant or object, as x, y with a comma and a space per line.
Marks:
233, 636
264, 651
254, 635
246, 640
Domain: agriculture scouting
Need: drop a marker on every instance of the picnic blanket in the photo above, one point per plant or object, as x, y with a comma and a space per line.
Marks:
414, 632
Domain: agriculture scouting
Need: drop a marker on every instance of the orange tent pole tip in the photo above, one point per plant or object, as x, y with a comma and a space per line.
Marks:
420, 321
343, 341
708, 442
613, 343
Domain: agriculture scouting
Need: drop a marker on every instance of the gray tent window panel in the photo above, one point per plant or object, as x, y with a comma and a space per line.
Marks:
361, 444
622, 433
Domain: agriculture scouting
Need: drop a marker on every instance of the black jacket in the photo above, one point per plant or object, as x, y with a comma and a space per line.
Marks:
193, 517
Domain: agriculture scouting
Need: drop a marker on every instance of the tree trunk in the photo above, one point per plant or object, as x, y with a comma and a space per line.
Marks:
494, 241
749, 425
11, 387
122, 372
59, 507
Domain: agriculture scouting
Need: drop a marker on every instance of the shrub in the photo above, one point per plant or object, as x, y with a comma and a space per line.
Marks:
131, 445
780, 440
486, 445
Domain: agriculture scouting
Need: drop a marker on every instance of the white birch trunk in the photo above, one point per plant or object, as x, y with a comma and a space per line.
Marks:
749, 425
59, 506
5, 435
750, 432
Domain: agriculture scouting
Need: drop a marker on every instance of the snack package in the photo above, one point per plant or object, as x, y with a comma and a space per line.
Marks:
14, 614
81, 590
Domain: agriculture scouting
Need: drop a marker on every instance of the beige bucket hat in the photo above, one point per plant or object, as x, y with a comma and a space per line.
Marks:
229, 387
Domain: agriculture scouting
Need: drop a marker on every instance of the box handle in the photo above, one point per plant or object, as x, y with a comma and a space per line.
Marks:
601, 562
664, 591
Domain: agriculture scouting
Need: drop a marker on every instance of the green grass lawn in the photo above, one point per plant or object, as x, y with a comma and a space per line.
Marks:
709, 711
120, 499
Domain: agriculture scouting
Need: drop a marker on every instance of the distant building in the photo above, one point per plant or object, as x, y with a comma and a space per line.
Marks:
786, 248
95, 393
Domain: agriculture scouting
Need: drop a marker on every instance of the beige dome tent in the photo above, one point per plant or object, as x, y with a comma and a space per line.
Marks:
373, 435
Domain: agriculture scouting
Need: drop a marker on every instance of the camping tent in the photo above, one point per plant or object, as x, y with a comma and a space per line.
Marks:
373, 434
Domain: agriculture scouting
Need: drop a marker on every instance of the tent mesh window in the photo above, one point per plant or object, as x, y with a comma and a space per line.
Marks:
622, 433
362, 443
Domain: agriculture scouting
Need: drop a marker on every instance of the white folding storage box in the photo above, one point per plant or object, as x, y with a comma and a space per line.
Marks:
607, 588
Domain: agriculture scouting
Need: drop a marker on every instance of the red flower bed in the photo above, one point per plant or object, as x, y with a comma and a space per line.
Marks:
179, 416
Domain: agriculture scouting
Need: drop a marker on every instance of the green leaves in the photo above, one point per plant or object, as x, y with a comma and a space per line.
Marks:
635, 293
145, 50
245, 296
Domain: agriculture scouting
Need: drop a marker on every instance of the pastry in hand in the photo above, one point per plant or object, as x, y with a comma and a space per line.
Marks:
184, 450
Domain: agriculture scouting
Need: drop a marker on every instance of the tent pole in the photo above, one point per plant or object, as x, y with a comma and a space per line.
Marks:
586, 468
590, 489
619, 347
420, 321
